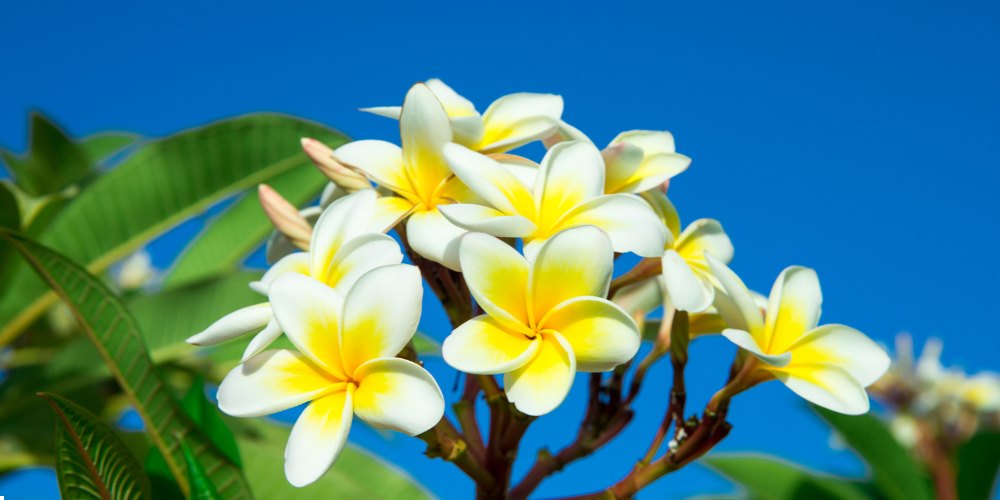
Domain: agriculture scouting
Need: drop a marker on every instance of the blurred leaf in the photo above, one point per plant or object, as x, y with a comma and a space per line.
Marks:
91, 461
99, 147
894, 471
977, 466
115, 333
355, 474
425, 345
230, 237
201, 486
10, 214
771, 478
53, 160
162, 184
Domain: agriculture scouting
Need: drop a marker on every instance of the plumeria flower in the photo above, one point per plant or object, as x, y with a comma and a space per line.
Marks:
417, 173
568, 192
344, 245
829, 365
345, 366
640, 160
544, 319
510, 122
686, 275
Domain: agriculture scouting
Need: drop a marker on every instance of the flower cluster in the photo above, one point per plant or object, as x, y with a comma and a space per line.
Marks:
530, 247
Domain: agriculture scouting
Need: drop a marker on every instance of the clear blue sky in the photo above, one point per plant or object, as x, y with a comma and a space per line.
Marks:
859, 138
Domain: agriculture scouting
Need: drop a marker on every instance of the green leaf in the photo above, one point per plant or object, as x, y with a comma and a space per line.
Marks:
771, 478
425, 345
10, 214
977, 466
355, 474
201, 486
227, 240
99, 147
108, 324
161, 185
91, 461
53, 161
894, 471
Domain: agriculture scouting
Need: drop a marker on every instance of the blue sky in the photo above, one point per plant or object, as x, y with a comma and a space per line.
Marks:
858, 138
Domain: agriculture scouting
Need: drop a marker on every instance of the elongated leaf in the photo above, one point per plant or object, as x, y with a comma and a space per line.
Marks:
201, 486
99, 147
10, 214
53, 161
115, 333
91, 461
894, 471
227, 240
771, 478
978, 464
162, 184
355, 474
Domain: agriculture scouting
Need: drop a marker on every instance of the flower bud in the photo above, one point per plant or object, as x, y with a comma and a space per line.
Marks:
322, 156
285, 217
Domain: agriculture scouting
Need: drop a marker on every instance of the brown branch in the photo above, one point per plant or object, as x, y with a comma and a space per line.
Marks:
444, 442
645, 269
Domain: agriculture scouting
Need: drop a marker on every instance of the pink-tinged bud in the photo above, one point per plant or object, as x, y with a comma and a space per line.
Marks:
285, 216
322, 156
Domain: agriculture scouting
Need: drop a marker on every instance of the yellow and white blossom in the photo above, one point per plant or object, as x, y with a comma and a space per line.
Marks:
640, 160
686, 275
829, 365
544, 319
511, 121
417, 173
345, 366
568, 192
346, 243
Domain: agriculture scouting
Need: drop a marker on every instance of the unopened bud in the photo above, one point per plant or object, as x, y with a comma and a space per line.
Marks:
285, 217
322, 156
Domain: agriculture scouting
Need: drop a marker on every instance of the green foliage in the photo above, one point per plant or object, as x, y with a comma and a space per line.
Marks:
91, 461
10, 214
114, 332
161, 185
977, 466
53, 161
895, 472
201, 486
770, 478
355, 474
229, 238
100, 146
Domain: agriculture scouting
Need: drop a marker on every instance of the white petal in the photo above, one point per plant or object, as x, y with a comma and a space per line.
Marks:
483, 346
358, 256
686, 289
432, 236
845, 348
381, 313
704, 236
650, 141
397, 394
621, 162
272, 381
386, 111
309, 313
746, 341
736, 305
237, 323
571, 173
498, 279
542, 384
293, 263
665, 210
381, 161
453, 103
490, 180
525, 170
517, 119
629, 221
793, 308
318, 437
424, 129
487, 220
565, 132
657, 169
573, 263
259, 342
601, 334
342, 220
829, 387
389, 211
